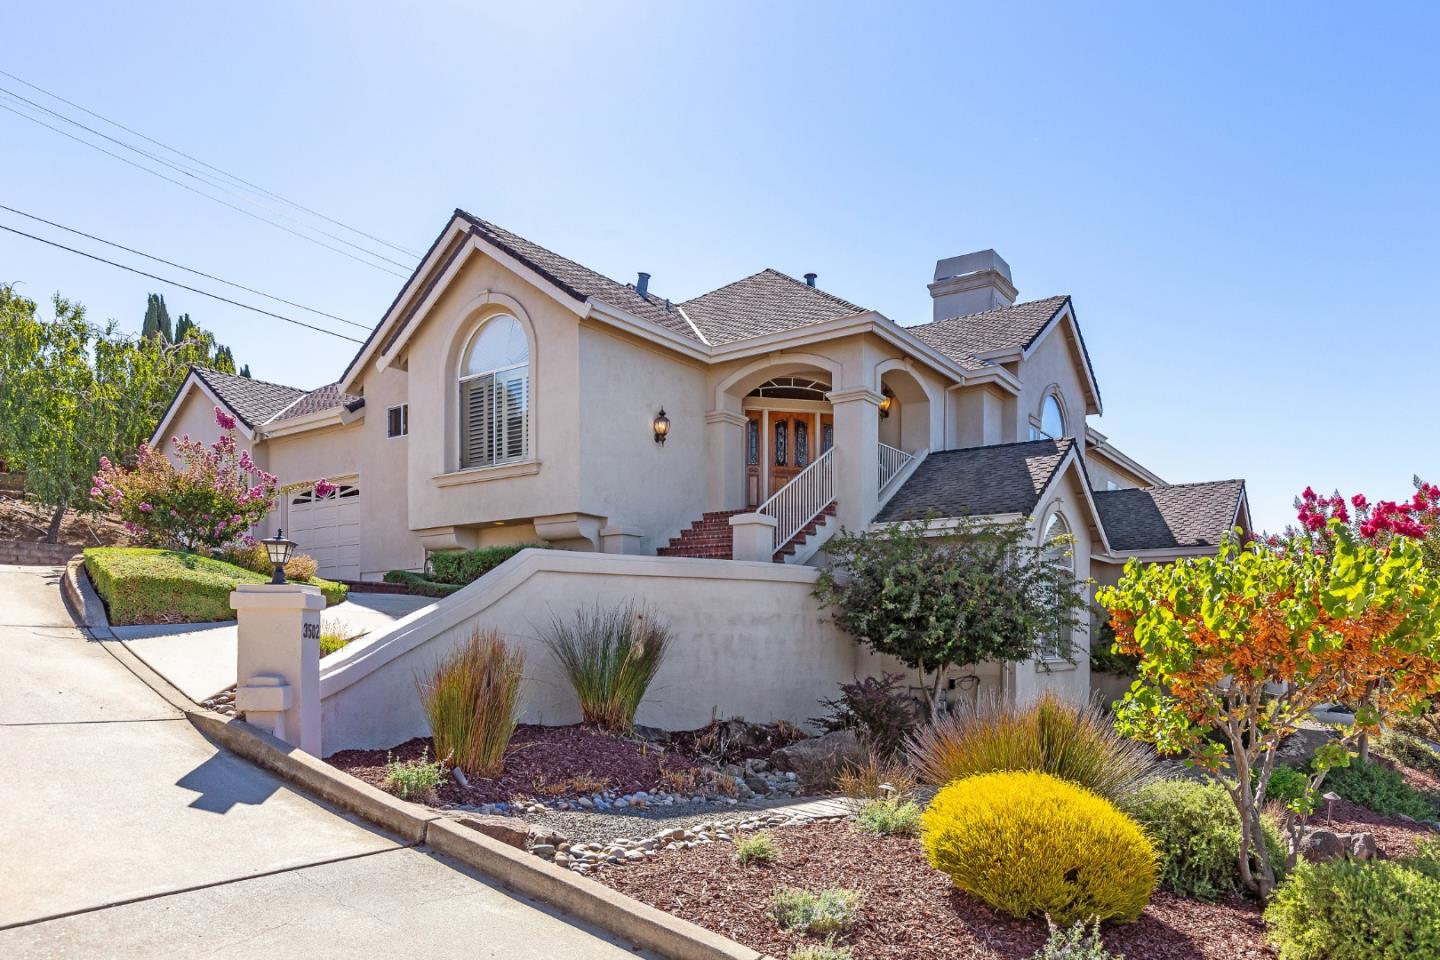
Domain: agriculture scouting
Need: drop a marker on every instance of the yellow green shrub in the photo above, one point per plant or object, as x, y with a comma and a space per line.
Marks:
1028, 844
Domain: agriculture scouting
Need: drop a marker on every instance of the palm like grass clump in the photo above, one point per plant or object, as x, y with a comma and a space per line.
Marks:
610, 656
471, 698
1074, 743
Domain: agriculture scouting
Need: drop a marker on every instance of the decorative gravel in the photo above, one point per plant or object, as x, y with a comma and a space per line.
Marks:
908, 910
586, 827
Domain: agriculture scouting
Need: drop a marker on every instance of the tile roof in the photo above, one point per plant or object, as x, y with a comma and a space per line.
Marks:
253, 401
765, 302
1177, 515
962, 339
579, 281
978, 481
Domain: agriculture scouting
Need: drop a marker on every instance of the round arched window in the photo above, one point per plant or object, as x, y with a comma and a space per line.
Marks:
495, 395
1052, 420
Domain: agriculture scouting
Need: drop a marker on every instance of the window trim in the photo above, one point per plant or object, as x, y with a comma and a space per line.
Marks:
1049, 654
1037, 420
404, 409
498, 376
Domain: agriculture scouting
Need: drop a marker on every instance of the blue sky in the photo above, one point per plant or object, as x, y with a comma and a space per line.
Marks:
1242, 199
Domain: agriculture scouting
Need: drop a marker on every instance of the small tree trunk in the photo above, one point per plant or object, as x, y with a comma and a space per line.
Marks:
1364, 746
53, 534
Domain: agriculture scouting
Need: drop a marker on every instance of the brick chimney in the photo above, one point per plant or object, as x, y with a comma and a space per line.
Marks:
971, 283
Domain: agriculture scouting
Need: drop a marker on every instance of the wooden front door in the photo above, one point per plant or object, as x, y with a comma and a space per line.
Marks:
793, 441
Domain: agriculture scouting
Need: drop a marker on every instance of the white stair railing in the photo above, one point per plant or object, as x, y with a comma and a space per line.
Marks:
803, 499
892, 460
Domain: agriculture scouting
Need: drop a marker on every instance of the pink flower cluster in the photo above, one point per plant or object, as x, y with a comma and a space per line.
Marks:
1416, 517
198, 496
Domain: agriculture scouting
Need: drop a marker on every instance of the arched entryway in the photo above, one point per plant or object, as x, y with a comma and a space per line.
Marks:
789, 424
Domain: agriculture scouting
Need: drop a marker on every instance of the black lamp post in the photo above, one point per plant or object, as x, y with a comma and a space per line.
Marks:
279, 550
661, 425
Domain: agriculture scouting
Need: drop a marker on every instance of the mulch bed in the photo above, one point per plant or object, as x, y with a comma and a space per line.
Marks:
540, 762
908, 910
1394, 837
22, 518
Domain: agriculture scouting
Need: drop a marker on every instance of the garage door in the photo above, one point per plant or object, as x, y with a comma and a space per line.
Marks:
328, 529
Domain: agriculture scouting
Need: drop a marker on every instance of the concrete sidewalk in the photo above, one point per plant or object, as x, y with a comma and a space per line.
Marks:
127, 834
199, 658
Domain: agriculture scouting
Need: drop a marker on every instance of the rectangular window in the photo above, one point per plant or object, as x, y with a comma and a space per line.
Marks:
397, 420
495, 418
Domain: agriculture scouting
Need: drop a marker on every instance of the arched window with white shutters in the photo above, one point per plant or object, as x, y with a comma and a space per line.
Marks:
495, 395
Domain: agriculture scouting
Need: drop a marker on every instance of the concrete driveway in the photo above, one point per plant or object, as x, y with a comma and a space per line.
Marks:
127, 834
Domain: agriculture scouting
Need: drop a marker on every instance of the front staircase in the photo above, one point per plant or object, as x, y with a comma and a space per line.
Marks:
710, 538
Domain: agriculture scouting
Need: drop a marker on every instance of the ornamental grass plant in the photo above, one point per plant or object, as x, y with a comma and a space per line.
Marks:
610, 655
471, 698
1076, 743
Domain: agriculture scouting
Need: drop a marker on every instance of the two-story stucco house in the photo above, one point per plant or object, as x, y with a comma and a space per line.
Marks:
512, 395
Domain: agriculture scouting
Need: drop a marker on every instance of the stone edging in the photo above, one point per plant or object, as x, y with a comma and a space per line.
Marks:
33, 552
519, 870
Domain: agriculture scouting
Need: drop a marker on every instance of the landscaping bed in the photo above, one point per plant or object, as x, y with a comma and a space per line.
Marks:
141, 585
908, 910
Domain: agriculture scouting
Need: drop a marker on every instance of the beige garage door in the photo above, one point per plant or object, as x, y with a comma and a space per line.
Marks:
328, 529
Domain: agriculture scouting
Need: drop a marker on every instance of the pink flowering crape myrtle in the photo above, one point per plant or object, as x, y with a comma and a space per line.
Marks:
213, 497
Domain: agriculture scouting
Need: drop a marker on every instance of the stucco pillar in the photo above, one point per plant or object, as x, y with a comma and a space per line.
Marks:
724, 463
277, 661
752, 537
857, 465
621, 539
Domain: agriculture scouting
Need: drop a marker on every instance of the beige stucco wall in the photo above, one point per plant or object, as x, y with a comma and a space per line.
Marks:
1052, 366
1103, 471
749, 640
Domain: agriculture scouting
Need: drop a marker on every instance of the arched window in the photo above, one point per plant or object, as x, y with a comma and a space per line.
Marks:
1052, 420
792, 388
495, 395
1058, 550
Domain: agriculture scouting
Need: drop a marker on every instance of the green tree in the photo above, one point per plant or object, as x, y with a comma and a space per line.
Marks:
983, 592
183, 326
1245, 644
71, 392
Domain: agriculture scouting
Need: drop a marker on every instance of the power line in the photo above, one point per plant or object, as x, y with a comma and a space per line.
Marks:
181, 266
208, 181
182, 286
297, 205
186, 186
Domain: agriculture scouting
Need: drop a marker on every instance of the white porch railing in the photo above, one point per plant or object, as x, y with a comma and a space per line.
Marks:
802, 499
892, 460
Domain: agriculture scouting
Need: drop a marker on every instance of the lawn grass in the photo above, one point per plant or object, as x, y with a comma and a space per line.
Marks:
141, 585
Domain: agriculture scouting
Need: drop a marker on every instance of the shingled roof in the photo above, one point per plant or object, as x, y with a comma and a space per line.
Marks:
964, 338
765, 302
253, 401
1005, 478
580, 282
1169, 517
257, 402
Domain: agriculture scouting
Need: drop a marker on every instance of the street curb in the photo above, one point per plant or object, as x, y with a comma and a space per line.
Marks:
85, 603
349, 793
581, 897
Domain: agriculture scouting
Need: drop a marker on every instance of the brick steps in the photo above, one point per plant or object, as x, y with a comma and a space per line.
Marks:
709, 538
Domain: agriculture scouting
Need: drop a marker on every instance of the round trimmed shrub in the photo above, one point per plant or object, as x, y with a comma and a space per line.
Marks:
1196, 831
1029, 844
1347, 910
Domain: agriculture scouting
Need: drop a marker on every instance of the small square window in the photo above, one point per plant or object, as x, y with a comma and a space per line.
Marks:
397, 420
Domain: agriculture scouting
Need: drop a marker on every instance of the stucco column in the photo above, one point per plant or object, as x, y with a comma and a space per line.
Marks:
724, 460
752, 537
857, 465
277, 661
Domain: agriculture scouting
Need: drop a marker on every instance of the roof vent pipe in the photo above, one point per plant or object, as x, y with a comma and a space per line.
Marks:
642, 286
810, 279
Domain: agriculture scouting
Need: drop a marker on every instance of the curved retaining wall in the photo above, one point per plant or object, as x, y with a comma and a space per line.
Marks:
749, 641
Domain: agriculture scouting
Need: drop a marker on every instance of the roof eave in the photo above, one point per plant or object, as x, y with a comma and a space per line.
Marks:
193, 378
1066, 311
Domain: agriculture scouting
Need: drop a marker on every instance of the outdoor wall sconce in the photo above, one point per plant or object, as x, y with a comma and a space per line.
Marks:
887, 400
662, 427
279, 550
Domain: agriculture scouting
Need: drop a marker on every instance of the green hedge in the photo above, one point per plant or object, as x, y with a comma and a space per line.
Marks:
141, 585
419, 585
466, 566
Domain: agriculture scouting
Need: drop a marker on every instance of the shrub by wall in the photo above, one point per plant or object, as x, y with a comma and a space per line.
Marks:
1196, 831
1349, 910
417, 584
466, 566
1028, 845
142, 585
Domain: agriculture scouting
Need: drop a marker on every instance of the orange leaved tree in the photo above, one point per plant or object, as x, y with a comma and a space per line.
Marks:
1236, 649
